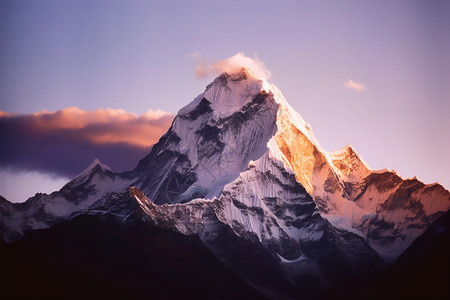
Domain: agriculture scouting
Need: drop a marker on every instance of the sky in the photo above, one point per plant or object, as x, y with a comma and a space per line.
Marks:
78, 77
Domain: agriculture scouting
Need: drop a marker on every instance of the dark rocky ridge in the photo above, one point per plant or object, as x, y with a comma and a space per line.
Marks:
421, 272
90, 259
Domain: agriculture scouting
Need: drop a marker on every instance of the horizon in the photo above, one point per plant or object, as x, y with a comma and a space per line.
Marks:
367, 74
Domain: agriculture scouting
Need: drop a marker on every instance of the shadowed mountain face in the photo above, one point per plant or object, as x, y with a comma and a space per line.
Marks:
88, 258
241, 173
421, 272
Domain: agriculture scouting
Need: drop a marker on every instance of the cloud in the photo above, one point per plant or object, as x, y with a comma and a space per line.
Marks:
201, 70
351, 85
64, 142
231, 64
19, 186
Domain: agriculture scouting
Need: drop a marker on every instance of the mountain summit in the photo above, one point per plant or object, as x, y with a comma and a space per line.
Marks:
240, 166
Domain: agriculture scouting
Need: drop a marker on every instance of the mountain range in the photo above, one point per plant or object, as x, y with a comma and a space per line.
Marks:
236, 200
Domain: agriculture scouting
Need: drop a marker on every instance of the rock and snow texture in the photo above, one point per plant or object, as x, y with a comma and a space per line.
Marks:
88, 190
239, 155
241, 124
210, 141
265, 203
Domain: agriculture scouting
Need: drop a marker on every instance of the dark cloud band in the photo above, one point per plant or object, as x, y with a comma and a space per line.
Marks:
66, 141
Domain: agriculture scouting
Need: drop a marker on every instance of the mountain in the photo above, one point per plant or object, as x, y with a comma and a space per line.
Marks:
85, 193
217, 146
239, 168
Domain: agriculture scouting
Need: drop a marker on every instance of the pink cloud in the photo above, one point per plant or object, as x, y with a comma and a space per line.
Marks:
201, 70
64, 142
351, 85
230, 65
102, 126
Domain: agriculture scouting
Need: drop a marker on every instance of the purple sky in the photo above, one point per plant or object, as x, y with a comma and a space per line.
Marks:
137, 55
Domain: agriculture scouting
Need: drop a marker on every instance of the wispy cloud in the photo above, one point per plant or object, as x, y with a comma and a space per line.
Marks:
201, 70
231, 64
64, 142
351, 85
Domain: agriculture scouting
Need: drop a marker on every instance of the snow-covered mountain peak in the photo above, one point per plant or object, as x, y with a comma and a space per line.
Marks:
213, 138
349, 164
96, 162
229, 92
95, 165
